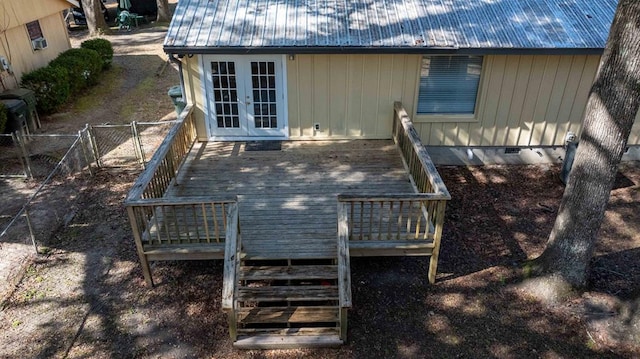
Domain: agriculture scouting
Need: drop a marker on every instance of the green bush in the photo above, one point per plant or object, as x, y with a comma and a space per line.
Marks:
82, 65
103, 47
3, 117
51, 86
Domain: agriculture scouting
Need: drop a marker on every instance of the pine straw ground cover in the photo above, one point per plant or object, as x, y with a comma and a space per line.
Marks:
87, 298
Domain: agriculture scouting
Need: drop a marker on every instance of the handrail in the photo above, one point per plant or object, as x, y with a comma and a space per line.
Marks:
233, 247
163, 167
424, 174
181, 201
393, 197
344, 267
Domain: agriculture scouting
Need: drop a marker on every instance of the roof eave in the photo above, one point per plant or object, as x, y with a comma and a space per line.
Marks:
237, 50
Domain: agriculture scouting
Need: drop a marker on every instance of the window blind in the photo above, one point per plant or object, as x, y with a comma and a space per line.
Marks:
449, 84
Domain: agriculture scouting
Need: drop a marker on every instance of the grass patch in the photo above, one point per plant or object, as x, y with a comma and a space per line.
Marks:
133, 105
109, 82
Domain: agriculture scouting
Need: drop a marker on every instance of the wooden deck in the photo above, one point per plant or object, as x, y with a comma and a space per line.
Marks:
286, 223
287, 199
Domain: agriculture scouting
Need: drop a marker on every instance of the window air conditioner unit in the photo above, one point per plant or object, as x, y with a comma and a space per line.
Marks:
39, 43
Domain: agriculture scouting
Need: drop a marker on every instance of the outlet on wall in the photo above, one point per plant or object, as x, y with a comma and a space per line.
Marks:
316, 126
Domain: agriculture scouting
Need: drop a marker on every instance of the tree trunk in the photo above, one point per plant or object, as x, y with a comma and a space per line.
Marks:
611, 109
164, 15
95, 19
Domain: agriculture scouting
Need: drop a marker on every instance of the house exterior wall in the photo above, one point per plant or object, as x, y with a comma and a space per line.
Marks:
15, 44
349, 96
523, 100
194, 93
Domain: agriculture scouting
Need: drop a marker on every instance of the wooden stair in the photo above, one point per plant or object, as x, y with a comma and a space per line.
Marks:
287, 303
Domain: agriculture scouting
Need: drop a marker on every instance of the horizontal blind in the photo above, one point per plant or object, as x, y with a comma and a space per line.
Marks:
449, 84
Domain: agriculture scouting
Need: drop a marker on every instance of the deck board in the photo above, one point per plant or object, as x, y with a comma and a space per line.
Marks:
287, 199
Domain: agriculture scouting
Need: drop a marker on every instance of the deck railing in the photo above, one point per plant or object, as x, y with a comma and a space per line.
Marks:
423, 173
399, 224
187, 220
176, 228
165, 164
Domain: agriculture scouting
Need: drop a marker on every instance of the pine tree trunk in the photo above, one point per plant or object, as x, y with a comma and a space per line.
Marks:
611, 109
95, 20
164, 15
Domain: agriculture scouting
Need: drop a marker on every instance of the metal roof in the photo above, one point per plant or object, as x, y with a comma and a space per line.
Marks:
290, 26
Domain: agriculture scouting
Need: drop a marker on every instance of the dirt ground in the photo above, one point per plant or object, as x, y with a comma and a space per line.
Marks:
86, 297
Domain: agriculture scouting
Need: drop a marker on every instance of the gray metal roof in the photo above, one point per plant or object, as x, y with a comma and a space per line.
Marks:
281, 26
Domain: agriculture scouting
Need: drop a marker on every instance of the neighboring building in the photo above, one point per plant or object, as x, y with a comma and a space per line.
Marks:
32, 33
472, 73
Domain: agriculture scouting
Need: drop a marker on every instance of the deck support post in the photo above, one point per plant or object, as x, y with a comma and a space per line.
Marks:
146, 269
343, 324
437, 235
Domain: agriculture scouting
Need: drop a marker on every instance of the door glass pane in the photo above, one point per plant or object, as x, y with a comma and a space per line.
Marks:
264, 94
225, 94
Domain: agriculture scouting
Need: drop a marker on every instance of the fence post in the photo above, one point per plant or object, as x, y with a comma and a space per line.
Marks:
137, 143
84, 147
33, 236
26, 163
94, 145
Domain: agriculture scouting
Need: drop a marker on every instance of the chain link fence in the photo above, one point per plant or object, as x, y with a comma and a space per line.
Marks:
45, 206
127, 145
13, 156
42, 175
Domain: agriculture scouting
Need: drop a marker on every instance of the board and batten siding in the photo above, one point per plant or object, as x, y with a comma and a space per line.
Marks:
524, 101
348, 96
194, 93
20, 53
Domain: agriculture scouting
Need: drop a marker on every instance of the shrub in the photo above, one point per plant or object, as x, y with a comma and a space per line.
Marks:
3, 117
83, 66
51, 86
103, 47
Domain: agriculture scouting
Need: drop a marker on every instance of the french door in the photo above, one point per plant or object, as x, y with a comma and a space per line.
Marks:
245, 96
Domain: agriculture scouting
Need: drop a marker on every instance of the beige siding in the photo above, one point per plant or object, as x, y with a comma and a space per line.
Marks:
349, 96
194, 92
19, 12
15, 44
523, 101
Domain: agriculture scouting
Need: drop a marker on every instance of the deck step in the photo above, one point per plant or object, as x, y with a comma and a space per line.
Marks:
287, 341
288, 315
309, 331
288, 272
298, 252
288, 293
